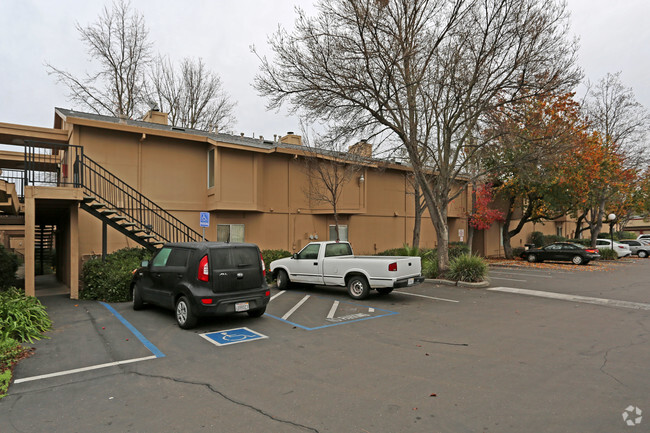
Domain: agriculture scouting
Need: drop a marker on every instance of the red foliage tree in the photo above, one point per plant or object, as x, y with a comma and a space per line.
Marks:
483, 216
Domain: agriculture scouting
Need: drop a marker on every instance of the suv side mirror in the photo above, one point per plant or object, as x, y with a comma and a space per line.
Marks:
145, 263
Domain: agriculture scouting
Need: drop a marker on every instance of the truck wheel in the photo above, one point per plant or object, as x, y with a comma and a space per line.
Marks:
282, 280
185, 317
384, 290
358, 287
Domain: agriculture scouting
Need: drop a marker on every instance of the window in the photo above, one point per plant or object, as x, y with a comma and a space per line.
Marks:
334, 250
310, 252
211, 168
343, 233
558, 230
178, 257
230, 232
161, 257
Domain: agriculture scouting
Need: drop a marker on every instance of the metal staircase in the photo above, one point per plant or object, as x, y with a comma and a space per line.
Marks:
105, 195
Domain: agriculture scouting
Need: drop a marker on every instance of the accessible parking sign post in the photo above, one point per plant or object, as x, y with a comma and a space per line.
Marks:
204, 221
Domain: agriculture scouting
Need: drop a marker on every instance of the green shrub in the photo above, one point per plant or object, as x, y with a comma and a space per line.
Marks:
625, 235
468, 267
457, 249
11, 351
536, 238
8, 268
109, 280
608, 254
423, 253
430, 267
269, 256
22, 318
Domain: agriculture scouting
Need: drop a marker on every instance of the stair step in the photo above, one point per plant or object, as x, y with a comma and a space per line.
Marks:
107, 212
118, 218
146, 236
127, 224
89, 198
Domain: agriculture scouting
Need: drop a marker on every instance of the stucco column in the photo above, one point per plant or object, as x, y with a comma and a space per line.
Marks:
30, 240
73, 239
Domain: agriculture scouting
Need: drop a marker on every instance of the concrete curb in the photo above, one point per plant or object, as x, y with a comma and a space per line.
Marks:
442, 282
479, 285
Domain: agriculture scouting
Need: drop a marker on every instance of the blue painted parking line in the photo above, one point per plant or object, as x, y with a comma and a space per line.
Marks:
342, 320
148, 344
232, 336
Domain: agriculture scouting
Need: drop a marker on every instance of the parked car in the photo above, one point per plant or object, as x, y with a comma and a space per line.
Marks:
333, 264
622, 250
198, 279
562, 251
644, 237
641, 249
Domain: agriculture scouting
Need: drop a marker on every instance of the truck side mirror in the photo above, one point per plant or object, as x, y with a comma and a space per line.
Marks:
144, 263
294, 256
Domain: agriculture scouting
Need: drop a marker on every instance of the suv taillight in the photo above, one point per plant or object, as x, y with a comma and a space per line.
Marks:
204, 269
392, 267
263, 266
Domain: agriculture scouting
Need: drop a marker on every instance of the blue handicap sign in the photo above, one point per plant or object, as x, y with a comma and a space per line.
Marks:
205, 219
232, 336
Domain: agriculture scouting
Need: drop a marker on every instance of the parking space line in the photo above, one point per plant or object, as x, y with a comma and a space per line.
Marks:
277, 294
524, 274
509, 279
428, 297
295, 307
335, 305
574, 298
80, 370
148, 344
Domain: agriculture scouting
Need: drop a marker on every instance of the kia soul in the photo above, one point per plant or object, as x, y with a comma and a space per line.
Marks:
197, 279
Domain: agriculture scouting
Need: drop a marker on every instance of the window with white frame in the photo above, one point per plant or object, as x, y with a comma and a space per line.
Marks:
230, 232
343, 233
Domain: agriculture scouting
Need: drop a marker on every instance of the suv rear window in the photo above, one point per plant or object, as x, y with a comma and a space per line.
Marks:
245, 257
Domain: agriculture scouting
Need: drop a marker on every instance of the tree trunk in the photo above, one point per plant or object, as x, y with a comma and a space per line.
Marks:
597, 225
417, 225
470, 229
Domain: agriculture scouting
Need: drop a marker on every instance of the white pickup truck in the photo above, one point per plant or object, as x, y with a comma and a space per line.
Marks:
333, 264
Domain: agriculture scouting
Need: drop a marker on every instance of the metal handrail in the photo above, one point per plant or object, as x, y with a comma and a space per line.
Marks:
67, 165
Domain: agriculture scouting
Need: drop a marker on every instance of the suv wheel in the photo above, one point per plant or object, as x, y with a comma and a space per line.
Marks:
138, 304
185, 317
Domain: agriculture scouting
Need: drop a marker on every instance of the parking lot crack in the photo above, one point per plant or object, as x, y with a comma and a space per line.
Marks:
602, 367
230, 399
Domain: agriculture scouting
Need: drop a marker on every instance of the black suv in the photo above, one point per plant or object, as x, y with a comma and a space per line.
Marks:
203, 279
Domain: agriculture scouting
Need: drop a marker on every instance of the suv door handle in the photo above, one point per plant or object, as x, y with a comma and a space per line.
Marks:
179, 275
223, 274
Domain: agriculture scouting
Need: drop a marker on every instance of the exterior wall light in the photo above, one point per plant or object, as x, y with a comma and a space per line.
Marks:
362, 179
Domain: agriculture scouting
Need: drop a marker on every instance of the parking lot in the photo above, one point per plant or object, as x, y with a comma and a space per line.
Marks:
547, 348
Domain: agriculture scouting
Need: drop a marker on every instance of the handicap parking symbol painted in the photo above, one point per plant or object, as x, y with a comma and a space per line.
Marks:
232, 336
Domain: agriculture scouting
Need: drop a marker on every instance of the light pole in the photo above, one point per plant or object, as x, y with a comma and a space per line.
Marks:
611, 217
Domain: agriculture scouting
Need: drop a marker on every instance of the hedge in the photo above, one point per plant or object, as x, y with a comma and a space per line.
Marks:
110, 280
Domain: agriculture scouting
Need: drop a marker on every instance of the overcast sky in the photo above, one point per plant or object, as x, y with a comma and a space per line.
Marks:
614, 36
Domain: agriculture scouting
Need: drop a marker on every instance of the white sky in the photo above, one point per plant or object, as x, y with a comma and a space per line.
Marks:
614, 36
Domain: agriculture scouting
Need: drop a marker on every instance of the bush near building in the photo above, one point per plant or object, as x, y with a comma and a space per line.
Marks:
22, 319
269, 256
8, 267
110, 280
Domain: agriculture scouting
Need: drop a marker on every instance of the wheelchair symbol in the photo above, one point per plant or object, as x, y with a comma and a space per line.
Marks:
234, 337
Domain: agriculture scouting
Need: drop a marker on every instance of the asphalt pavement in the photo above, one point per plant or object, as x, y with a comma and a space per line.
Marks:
430, 358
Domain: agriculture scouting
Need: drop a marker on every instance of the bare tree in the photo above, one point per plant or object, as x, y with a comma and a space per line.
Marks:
426, 70
118, 40
615, 114
329, 169
192, 95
